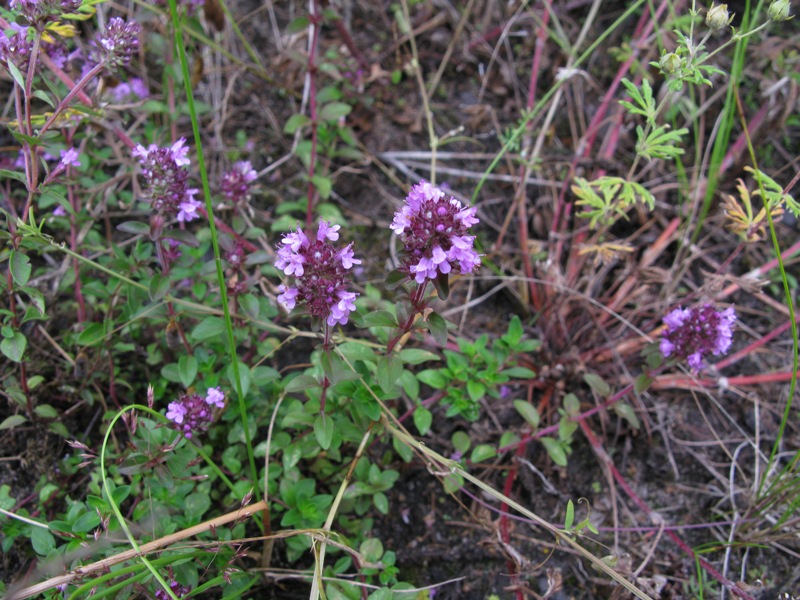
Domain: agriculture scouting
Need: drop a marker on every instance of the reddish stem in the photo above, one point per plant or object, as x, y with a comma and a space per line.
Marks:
311, 73
603, 456
694, 383
338, 22
75, 202
562, 209
417, 307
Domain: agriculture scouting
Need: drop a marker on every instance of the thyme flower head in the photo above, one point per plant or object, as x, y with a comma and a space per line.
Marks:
118, 43
15, 48
38, 13
433, 230
236, 181
692, 333
168, 181
179, 590
191, 414
320, 273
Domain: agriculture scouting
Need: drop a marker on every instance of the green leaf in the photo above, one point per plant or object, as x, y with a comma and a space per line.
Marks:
571, 404
569, 519
36, 297
423, 419
626, 412
519, 373
395, 278
301, 383
12, 421
482, 452
609, 198
555, 450
453, 482
475, 389
134, 227
645, 104
92, 335
295, 122
249, 304
600, 387
187, 370
20, 266
333, 111
195, 505
159, 286
171, 372
641, 383
324, 186
46, 411
660, 142
86, 522
14, 347
371, 549
41, 539
16, 74
461, 441
415, 356
208, 328
42, 95
438, 328
380, 318
514, 333
528, 412
389, 370
16, 175
381, 503
403, 450
323, 429
435, 378
297, 25
244, 377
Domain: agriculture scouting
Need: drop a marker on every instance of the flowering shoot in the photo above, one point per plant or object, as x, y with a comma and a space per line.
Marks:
193, 413
320, 272
692, 333
433, 230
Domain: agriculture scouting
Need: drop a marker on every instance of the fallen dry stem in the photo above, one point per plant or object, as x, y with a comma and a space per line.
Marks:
106, 563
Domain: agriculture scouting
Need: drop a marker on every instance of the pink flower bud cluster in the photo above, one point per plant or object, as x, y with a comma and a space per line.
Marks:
320, 273
179, 590
433, 230
16, 48
693, 333
236, 182
38, 13
193, 413
135, 89
167, 180
118, 43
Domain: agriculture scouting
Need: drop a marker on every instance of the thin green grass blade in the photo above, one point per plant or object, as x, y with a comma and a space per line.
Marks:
223, 291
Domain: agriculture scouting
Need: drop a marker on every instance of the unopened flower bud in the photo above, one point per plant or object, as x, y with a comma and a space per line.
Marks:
718, 17
670, 63
118, 43
779, 11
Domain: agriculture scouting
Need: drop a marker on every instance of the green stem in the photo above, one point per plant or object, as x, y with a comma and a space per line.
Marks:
223, 291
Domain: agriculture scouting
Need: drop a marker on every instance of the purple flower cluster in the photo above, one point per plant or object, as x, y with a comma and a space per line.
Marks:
320, 271
692, 333
193, 413
118, 43
40, 12
134, 89
179, 590
236, 182
433, 230
167, 179
16, 48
